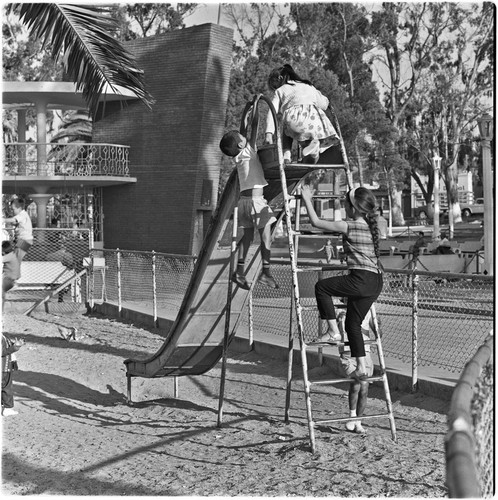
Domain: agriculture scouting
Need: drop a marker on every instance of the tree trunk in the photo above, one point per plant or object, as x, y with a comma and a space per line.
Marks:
395, 196
451, 183
360, 165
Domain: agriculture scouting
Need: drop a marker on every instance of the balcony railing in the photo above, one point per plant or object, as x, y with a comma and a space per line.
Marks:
76, 159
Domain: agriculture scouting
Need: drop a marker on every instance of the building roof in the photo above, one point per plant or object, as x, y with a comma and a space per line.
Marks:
57, 95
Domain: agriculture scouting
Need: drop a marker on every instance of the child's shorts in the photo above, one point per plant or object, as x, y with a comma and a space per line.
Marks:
255, 212
7, 284
23, 245
348, 364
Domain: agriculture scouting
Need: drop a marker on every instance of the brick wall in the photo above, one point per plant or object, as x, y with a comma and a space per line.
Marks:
174, 152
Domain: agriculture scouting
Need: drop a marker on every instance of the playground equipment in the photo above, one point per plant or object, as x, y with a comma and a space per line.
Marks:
213, 306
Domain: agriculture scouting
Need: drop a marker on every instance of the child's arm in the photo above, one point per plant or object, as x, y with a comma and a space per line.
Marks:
254, 127
332, 226
247, 116
10, 347
270, 124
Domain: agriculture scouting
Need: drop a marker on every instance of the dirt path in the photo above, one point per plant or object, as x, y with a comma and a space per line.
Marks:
75, 434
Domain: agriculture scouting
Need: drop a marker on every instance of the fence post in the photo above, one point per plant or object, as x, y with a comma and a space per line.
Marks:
250, 311
320, 328
118, 264
91, 281
154, 289
415, 329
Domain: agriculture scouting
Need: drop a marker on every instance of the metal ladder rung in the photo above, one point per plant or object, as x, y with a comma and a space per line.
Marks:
376, 378
309, 233
308, 308
334, 342
214, 313
308, 269
338, 166
351, 419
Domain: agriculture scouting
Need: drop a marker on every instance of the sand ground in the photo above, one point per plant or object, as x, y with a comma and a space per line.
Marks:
75, 434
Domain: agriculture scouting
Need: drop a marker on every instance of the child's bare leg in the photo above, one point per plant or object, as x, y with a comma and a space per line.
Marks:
286, 146
358, 393
266, 278
245, 243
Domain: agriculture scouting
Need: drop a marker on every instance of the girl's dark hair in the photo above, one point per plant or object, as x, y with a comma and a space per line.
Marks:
365, 202
282, 75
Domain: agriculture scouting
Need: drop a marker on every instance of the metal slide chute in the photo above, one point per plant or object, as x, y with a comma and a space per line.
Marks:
195, 342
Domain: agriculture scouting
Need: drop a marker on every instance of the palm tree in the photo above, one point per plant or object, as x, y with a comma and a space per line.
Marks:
81, 36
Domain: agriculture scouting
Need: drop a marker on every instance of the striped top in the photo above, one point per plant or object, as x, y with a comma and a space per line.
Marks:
359, 247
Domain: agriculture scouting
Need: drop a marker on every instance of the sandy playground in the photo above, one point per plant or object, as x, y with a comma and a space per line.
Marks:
75, 434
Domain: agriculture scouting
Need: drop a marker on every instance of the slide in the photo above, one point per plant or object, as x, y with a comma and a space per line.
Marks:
195, 342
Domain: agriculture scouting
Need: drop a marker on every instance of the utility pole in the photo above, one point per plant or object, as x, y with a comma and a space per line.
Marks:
486, 131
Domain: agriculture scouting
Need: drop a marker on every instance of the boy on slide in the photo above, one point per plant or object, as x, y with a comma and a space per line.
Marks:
253, 209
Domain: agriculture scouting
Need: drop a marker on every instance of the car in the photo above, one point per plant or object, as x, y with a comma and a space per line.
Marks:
426, 211
476, 208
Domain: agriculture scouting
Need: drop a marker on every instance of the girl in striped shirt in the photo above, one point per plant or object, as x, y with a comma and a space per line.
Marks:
363, 284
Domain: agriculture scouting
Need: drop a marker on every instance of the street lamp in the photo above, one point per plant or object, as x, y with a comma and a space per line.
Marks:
436, 163
486, 130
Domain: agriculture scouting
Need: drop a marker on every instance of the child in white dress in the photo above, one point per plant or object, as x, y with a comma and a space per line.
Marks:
302, 110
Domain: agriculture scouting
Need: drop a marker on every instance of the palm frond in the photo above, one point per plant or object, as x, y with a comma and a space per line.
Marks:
92, 58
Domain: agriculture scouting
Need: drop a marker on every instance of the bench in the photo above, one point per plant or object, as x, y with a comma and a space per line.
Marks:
403, 248
470, 247
43, 274
387, 247
432, 263
42, 277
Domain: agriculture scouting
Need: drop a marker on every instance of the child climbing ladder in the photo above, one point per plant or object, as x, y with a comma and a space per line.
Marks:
253, 209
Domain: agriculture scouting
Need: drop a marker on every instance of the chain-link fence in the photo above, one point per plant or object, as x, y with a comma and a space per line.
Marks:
431, 319
148, 280
427, 318
57, 256
470, 438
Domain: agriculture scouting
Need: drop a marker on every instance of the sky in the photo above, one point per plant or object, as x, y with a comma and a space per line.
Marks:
205, 13
208, 12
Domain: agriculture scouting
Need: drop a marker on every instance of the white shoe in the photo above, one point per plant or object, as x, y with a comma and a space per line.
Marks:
312, 149
7, 412
355, 426
359, 429
350, 426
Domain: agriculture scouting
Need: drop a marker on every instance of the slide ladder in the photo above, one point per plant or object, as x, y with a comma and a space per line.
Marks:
294, 233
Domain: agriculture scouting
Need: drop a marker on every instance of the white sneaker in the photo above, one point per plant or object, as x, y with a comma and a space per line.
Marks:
350, 426
359, 429
312, 149
7, 412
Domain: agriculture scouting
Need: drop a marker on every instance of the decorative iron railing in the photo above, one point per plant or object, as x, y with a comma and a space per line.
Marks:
75, 159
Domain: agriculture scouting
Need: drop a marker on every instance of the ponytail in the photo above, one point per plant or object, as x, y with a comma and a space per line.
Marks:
373, 223
363, 200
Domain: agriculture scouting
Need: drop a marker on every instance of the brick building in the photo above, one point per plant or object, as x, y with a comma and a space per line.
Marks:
174, 152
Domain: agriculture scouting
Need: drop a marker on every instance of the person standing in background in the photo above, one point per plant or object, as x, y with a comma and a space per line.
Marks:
23, 229
382, 224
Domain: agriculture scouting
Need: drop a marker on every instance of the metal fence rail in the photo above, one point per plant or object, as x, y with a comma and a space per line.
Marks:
470, 440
